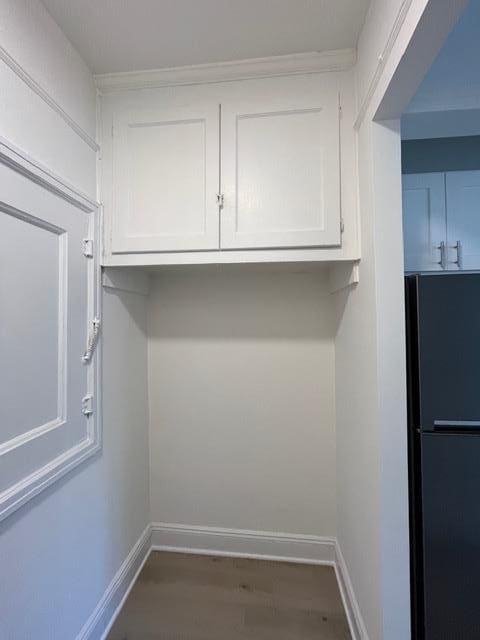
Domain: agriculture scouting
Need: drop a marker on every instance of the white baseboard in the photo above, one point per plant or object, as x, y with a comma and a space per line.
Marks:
243, 543
358, 630
262, 545
100, 622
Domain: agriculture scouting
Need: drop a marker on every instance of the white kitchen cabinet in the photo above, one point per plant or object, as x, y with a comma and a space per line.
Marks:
441, 221
424, 222
245, 171
463, 219
166, 173
281, 171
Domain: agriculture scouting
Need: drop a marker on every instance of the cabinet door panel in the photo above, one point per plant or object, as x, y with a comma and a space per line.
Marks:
46, 312
281, 171
463, 218
166, 172
424, 220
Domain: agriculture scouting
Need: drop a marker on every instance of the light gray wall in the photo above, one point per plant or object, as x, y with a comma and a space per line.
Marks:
60, 551
241, 375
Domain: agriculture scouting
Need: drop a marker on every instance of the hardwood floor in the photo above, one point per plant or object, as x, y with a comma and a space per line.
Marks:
187, 597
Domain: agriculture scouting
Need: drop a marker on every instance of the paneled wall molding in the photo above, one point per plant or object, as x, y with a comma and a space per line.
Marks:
313, 62
47, 98
37, 201
19, 161
382, 60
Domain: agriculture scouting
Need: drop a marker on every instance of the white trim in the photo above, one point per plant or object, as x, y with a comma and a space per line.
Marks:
18, 494
125, 279
382, 60
326, 255
358, 630
46, 97
18, 160
242, 543
105, 613
313, 62
343, 275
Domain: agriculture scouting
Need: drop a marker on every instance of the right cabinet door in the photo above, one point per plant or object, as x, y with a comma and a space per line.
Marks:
463, 219
281, 170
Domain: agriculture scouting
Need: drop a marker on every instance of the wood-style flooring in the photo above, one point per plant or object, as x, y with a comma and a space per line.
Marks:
188, 597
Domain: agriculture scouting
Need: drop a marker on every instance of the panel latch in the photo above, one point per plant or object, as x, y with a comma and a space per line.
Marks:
220, 200
88, 248
87, 405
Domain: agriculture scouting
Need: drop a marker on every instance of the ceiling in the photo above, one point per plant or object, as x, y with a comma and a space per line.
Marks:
447, 102
129, 35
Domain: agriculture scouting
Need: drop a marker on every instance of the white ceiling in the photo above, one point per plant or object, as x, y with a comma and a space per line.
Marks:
128, 35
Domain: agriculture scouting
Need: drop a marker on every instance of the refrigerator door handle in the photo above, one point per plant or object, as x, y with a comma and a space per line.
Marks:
456, 425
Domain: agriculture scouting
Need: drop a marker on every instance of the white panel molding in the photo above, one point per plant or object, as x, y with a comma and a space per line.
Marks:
313, 62
28, 487
105, 613
19, 161
125, 279
243, 543
60, 419
357, 626
382, 60
47, 98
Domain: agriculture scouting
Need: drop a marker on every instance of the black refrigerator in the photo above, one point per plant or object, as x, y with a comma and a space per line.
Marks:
443, 354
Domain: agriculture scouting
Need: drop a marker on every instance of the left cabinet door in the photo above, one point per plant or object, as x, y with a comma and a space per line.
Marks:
48, 291
165, 180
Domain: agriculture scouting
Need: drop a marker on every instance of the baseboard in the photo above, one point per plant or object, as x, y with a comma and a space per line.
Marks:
358, 630
262, 545
243, 543
100, 622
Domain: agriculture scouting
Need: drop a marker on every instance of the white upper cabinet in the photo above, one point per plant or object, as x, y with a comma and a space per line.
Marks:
261, 169
166, 172
441, 221
281, 170
424, 222
463, 216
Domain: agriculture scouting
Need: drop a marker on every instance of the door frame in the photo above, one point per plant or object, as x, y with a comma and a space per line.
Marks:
387, 79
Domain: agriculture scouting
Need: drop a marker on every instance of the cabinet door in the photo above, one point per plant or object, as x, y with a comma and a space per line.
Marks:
424, 221
166, 177
463, 219
47, 303
281, 170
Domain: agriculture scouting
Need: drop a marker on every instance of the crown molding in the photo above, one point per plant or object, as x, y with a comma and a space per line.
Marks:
23, 75
313, 62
